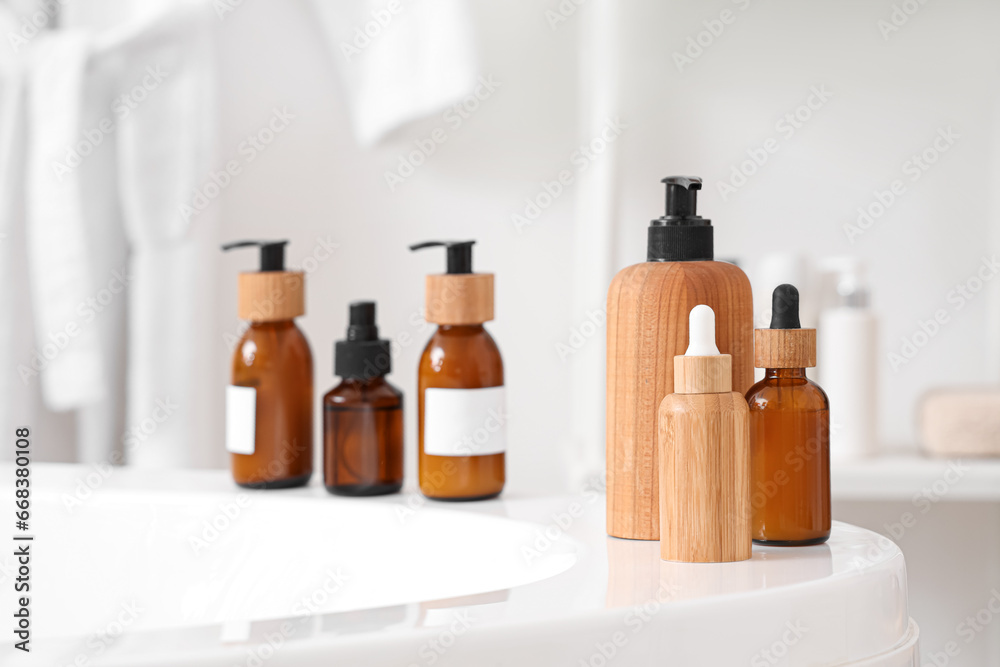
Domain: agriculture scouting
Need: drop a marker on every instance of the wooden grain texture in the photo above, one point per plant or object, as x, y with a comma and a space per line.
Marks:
703, 375
459, 298
704, 443
271, 296
784, 348
648, 308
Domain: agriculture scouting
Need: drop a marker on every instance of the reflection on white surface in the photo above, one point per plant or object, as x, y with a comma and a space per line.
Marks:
210, 559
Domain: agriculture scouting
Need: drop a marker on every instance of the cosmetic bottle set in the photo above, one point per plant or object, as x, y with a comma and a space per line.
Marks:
696, 457
461, 410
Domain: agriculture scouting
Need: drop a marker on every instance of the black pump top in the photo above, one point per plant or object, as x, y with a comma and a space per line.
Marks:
785, 307
363, 356
459, 254
272, 253
681, 235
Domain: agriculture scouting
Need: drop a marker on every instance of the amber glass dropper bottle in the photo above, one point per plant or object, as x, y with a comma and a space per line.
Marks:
269, 405
789, 433
461, 413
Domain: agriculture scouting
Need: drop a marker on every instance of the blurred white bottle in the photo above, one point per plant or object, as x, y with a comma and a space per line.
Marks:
847, 339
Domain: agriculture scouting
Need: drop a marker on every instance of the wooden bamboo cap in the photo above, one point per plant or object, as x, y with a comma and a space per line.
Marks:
270, 296
703, 375
459, 298
784, 348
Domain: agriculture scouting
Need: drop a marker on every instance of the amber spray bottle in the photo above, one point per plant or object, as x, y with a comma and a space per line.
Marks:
363, 415
789, 433
461, 410
704, 455
269, 405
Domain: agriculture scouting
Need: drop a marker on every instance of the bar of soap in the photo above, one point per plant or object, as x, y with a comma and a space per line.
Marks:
961, 422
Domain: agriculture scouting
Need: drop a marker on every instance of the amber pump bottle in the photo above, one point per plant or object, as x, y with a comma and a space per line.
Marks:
461, 409
363, 415
704, 455
269, 405
648, 306
789, 433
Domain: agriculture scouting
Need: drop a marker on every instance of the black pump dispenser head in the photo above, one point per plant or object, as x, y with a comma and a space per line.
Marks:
459, 254
681, 235
785, 307
272, 253
362, 356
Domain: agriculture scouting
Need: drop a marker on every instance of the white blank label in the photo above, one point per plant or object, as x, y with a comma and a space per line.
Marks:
241, 419
465, 422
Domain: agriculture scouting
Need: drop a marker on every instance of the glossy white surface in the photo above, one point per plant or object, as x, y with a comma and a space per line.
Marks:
302, 578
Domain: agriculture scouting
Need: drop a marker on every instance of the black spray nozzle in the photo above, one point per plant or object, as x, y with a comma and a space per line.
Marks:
785, 307
681, 235
362, 321
682, 202
362, 355
272, 253
459, 254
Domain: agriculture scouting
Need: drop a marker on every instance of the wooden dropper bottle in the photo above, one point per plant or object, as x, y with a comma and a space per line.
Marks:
461, 409
789, 433
269, 405
704, 455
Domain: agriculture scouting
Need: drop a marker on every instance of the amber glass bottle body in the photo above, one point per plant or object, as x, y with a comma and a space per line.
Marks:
363, 438
789, 459
274, 358
459, 357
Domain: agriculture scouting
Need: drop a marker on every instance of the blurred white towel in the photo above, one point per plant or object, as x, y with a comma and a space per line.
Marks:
400, 59
61, 274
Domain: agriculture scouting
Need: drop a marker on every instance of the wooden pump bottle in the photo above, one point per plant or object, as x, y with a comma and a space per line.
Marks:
461, 410
789, 433
704, 455
269, 405
648, 306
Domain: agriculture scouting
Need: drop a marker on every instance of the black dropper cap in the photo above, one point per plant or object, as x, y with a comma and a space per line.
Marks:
785, 307
681, 235
363, 355
459, 254
272, 253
